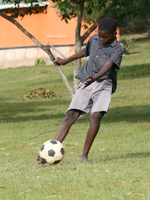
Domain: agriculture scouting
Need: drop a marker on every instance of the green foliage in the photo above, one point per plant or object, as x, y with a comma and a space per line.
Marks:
32, 8
40, 61
70, 9
135, 26
122, 10
128, 44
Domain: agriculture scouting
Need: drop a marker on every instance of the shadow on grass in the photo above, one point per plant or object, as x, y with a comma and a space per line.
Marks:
31, 110
144, 39
134, 71
45, 110
131, 114
128, 156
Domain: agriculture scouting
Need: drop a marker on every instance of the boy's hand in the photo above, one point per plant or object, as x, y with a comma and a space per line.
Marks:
59, 61
88, 81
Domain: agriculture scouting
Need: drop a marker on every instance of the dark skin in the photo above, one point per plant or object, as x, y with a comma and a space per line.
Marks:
72, 115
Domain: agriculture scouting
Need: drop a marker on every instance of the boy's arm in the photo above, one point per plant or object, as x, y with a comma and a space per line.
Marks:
101, 73
106, 68
79, 54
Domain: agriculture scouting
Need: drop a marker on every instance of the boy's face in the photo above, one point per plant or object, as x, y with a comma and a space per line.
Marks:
106, 37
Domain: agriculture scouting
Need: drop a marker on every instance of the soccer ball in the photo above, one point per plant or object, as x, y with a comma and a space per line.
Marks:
52, 151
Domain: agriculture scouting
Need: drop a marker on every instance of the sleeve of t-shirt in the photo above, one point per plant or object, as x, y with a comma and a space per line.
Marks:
116, 55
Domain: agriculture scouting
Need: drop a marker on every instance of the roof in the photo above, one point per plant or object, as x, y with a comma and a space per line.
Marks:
22, 5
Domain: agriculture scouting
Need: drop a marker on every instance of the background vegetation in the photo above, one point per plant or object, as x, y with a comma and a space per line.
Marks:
120, 152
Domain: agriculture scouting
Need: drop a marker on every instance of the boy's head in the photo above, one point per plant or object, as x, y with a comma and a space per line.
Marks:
107, 30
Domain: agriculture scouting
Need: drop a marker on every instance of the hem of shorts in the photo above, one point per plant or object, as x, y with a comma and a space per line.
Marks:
105, 112
82, 114
85, 113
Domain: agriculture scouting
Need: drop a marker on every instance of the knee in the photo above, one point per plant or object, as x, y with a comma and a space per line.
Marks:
71, 115
96, 117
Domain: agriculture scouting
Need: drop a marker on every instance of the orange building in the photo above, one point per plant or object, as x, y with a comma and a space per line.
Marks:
48, 29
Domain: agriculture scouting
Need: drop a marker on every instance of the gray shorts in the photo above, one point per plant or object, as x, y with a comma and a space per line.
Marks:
95, 98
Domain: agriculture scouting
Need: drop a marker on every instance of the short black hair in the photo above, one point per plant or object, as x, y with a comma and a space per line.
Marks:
107, 24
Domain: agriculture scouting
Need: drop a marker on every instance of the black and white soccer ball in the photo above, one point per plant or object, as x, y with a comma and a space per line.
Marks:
52, 151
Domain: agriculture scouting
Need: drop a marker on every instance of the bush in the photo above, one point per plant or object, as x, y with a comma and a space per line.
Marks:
40, 61
128, 44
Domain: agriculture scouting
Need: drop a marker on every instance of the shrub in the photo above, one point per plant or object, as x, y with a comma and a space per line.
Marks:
40, 61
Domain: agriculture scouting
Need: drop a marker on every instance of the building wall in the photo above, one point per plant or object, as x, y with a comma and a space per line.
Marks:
26, 56
47, 28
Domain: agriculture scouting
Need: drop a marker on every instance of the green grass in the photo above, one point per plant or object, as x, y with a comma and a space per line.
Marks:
120, 153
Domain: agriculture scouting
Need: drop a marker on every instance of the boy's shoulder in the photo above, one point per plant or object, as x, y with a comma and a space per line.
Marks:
95, 36
115, 43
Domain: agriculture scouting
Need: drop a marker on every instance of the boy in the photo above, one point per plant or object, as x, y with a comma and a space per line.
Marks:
98, 78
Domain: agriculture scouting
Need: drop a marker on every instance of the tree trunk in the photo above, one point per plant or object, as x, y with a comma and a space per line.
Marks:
45, 48
76, 67
78, 41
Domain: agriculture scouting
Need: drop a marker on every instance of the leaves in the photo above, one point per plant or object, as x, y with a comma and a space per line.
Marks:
40, 93
19, 10
121, 10
40, 61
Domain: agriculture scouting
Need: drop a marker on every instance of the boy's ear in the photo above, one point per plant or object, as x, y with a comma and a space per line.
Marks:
115, 33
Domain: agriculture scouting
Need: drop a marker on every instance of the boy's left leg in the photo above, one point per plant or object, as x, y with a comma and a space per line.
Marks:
95, 121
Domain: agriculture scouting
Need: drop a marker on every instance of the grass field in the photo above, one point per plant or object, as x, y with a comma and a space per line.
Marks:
121, 151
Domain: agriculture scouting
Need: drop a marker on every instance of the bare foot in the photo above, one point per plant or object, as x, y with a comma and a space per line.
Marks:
40, 160
85, 160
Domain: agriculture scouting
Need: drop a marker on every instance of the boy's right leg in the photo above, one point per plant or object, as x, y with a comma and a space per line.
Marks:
66, 124
70, 118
